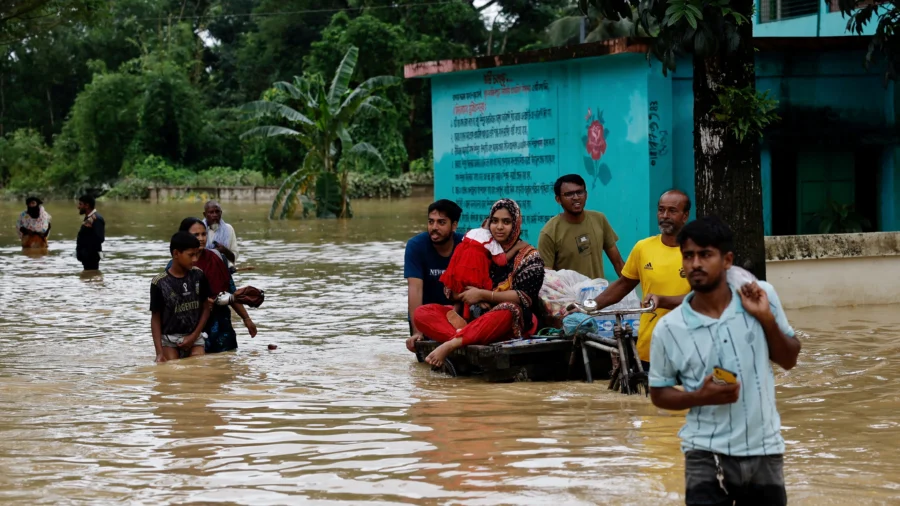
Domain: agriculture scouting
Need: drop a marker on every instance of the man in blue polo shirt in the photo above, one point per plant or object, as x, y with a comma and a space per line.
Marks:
732, 435
427, 257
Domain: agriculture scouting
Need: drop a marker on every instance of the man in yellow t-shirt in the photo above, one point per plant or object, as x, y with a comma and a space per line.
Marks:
656, 264
577, 238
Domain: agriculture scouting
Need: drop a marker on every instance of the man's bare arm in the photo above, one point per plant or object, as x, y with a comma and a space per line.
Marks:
709, 394
783, 350
664, 301
206, 307
225, 251
616, 292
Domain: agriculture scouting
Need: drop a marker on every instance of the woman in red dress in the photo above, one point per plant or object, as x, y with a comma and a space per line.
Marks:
513, 297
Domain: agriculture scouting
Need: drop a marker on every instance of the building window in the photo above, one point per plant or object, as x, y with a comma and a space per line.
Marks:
774, 10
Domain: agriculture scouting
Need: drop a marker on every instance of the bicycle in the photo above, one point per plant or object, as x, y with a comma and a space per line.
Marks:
628, 375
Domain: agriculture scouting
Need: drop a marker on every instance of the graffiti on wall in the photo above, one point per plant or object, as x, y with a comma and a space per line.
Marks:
502, 142
595, 143
659, 139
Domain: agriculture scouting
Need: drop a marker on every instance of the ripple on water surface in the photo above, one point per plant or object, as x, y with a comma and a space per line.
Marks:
340, 413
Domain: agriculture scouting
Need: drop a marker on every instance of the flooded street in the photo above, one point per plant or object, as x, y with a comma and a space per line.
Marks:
341, 412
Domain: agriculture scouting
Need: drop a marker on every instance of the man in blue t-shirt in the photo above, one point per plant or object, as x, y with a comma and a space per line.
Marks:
427, 257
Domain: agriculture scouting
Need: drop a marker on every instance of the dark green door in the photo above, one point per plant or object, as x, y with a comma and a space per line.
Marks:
822, 176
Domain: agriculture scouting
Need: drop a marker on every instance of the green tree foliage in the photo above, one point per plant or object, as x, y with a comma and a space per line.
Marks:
886, 39
125, 114
321, 119
108, 84
104, 123
20, 19
567, 27
283, 32
24, 158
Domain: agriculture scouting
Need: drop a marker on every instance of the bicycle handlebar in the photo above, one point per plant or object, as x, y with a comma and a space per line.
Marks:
589, 307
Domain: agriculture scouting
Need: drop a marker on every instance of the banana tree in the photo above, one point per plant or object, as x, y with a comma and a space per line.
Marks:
573, 23
320, 118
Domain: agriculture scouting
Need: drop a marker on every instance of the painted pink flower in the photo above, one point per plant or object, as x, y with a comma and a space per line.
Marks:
596, 143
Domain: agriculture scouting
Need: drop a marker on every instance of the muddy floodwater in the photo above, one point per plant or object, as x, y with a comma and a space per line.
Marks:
341, 413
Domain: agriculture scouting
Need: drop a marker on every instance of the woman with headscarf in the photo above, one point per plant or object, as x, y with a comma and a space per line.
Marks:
219, 329
33, 224
513, 298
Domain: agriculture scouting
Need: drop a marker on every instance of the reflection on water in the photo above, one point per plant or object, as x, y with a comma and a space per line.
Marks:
340, 412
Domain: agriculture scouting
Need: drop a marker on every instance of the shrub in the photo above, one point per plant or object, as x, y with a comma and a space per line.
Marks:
377, 186
158, 170
423, 165
419, 177
225, 176
130, 188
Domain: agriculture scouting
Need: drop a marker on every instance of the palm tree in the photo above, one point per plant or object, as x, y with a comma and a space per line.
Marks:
321, 121
567, 29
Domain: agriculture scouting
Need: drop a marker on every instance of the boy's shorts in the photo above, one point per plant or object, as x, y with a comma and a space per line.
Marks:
175, 340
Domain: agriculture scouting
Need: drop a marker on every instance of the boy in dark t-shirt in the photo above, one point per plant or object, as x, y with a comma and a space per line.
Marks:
180, 302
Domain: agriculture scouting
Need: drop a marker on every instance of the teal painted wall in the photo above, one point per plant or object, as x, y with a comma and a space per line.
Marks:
683, 119
661, 139
493, 139
823, 24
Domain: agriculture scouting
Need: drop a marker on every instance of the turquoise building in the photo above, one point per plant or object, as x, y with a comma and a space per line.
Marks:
509, 125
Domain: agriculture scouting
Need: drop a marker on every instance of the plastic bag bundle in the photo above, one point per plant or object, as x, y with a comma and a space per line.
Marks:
564, 287
738, 276
574, 321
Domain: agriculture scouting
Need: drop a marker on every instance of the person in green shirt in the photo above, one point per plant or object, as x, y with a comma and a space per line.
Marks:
576, 238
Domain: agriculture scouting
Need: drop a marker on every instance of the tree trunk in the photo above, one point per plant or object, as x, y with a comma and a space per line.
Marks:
727, 178
2, 103
50, 108
344, 183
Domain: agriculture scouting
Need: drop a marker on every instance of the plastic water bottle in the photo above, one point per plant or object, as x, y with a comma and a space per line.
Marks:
606, 324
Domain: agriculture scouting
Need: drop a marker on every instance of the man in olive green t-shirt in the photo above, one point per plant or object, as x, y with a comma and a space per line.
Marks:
576, 239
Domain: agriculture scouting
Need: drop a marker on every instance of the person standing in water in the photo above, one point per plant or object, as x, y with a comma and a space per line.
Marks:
576, 239
655, 264
92, 234
33, 225
221, 236
732, 443
220, 333
180, 303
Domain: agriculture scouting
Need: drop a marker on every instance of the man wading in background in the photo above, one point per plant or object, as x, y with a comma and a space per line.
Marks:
91, 235
221, 235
